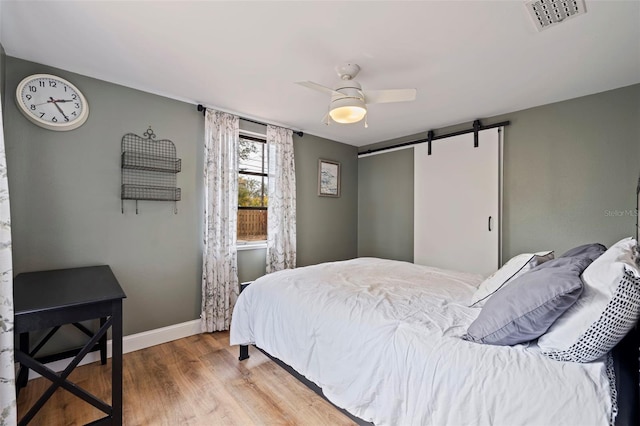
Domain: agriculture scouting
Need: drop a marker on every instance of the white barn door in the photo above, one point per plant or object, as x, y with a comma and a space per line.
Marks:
457, 203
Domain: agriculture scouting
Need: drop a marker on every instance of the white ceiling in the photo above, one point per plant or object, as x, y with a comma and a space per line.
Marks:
467, 59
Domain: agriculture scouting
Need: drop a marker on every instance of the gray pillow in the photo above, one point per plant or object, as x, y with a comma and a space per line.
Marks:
591, 251
527, 307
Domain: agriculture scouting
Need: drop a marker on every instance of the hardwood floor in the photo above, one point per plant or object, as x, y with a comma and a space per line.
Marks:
197, 380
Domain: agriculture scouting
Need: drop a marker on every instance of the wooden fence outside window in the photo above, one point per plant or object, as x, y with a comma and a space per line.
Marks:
252, 225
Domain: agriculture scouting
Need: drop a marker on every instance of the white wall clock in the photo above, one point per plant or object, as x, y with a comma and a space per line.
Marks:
52, 102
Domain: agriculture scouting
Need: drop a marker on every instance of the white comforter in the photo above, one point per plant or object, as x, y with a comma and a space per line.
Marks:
382, 339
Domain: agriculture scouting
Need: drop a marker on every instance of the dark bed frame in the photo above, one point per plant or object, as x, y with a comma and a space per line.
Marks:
626, 359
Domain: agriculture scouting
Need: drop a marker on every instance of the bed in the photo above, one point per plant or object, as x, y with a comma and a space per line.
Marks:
393, 343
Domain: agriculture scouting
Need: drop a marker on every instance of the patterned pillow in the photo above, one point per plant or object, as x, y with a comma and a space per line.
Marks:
620, 315
607, 309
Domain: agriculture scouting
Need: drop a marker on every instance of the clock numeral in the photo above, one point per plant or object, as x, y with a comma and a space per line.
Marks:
74, 114
41, 114
52, 83
54, 119
77, 105
74, 96
41, 82
33, 107
33, 89
28, 97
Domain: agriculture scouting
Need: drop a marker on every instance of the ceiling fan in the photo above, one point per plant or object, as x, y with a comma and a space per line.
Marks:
348, 100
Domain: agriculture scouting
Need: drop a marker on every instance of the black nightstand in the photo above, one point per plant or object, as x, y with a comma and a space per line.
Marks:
49, 299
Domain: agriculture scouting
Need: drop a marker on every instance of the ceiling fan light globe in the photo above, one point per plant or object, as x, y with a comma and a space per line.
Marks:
348, 114
348, 110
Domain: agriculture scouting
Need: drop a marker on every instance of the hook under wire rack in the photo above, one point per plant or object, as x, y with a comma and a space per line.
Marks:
149, 169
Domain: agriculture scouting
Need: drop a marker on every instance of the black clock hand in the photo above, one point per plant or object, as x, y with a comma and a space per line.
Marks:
50, 101
53, 101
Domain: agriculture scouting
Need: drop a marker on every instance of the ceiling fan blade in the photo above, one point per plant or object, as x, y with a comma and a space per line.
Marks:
393, 95
318, 87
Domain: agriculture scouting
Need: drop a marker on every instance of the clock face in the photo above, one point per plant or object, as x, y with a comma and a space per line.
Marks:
52, 102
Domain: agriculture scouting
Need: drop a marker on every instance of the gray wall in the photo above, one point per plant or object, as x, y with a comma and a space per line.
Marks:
570, 169
2, 72
252, 264
385, 205
570, 172
327, 226
2, 58
65, 200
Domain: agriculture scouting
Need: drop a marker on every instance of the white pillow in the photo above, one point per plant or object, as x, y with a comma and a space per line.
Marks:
607, 309
515, 267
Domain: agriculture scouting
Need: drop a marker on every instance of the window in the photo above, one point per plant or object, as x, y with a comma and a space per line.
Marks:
252, 189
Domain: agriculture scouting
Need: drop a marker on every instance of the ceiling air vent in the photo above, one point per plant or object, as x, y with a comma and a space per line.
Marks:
547, 13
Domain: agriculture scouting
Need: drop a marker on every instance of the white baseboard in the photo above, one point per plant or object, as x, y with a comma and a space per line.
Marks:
133, 342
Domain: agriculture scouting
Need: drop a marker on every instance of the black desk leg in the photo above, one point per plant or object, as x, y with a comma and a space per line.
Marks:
116, 362
23, 374
103, 344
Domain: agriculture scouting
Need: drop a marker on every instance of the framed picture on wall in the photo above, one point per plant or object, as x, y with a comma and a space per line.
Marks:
328, 178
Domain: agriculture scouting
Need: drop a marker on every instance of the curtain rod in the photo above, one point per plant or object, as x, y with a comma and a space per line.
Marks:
477, 126
295, 132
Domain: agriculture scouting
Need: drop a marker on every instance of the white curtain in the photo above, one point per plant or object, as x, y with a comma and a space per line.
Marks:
220, 266
7, 372
281, 223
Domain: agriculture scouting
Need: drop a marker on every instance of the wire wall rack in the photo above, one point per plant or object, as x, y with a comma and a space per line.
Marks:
149, 169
